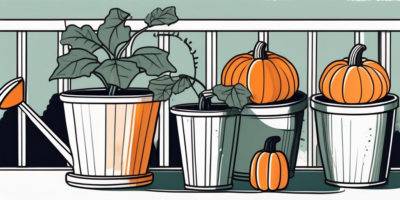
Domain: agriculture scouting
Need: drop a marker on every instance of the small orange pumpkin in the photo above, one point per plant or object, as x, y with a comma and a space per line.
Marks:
269, 169
355, 80
268, 76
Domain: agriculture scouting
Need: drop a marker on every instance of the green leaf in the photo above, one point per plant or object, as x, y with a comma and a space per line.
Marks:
234, 96
118, 72
182, 84
162, 87
113, 31
153, 60
76, 63
162, 17
81, 38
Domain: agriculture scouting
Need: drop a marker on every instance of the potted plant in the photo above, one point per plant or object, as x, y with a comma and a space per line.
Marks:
276, 107
355, 117
207, 131
111, 129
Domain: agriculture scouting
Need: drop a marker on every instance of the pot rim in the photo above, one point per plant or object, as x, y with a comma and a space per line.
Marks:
279, 108
388, 103
178, 110
71, 96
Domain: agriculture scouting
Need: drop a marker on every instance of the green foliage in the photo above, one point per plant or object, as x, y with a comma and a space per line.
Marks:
153, 61
234, 96
118, 72
112, 33
181, 85
81, 38
76, 63
161, 17
162, 87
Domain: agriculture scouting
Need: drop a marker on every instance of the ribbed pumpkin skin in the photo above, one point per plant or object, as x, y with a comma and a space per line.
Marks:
354, 84
269, 171
269, 80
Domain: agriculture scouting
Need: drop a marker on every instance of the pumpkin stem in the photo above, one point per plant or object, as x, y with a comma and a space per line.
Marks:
205, 100
355, 56
260, 51
270, 144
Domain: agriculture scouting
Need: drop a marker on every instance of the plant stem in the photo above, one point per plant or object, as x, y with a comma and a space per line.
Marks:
119, 54
199, 82
355, 56
270, 144
112, 90
259, 51
101, 79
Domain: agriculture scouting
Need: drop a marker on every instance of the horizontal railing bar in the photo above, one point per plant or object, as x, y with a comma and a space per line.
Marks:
221, 25
150, 169
32, 25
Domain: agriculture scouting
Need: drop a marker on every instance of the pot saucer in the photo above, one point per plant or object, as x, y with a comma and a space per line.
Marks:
108, 182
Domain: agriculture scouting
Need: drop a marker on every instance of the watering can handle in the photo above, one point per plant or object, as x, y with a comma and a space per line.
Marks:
50, 135
12, 94
205, 99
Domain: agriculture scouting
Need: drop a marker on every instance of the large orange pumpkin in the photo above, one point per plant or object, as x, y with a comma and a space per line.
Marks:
268, 76
354, 80
269, 169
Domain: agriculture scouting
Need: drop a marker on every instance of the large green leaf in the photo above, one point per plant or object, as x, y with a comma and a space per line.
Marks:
113, 31
76, 63
82, 38
162, 87
234, 96
153, 60
118, 72
162, 17
182, 84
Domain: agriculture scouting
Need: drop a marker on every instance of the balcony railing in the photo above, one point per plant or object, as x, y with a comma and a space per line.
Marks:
210, 27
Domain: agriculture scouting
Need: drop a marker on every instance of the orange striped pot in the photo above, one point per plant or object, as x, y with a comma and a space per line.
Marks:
110, 137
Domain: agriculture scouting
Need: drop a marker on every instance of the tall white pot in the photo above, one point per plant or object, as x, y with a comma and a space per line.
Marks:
208, 140
110, 137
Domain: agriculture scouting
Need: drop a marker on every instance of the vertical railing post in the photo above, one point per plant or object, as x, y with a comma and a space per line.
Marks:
384, 50
311, 90
211, 59
359, 37
163, 120
264, 36
62, 84
22, 72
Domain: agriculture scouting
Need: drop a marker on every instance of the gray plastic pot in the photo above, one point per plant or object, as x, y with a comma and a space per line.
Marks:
355, 140
261, 121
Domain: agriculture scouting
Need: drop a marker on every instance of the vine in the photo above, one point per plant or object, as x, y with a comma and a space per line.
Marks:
192, 53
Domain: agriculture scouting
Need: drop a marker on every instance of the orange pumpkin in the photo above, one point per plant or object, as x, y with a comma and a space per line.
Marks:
355, 80
268, 76
269, 169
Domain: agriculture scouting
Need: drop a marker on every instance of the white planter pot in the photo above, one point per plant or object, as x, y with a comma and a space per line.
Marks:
261, 121
208, 140
355, 140
110, 137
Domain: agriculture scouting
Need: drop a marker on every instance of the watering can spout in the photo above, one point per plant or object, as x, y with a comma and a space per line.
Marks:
12, 94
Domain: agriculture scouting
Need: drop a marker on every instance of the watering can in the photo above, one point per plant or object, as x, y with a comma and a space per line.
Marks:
12, 94
116, 154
